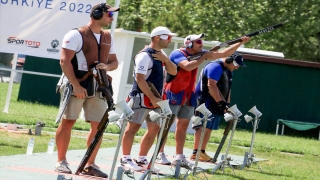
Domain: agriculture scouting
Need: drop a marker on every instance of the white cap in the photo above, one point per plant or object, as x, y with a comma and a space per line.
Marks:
193, 37
161, 30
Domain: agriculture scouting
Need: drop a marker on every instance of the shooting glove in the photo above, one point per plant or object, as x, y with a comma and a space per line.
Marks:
222, 106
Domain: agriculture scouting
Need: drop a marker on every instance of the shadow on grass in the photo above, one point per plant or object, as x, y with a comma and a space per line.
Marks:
257, 170
10, 145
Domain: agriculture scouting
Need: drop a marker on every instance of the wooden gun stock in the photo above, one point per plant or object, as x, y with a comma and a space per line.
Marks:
154, 90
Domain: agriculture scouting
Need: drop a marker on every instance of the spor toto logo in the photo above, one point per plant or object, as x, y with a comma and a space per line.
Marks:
54, 45
22, 42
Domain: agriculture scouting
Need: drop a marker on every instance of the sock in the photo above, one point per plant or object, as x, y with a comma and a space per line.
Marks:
126, 156
179, 156
161, 153
203, 151
195, 151
141, 158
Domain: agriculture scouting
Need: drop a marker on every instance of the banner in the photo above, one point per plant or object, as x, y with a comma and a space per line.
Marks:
37, 27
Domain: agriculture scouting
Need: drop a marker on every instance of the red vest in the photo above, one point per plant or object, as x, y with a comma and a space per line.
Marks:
182, 87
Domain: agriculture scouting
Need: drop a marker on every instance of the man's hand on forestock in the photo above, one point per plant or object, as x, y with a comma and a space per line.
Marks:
79, 91
245, 39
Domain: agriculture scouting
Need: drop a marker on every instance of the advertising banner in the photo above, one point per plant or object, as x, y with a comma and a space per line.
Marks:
37, 27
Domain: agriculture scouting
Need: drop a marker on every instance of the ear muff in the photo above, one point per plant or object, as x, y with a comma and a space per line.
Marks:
229, 60
188, 43
98, 13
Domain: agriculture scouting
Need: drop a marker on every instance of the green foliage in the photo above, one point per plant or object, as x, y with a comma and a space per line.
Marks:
225, 20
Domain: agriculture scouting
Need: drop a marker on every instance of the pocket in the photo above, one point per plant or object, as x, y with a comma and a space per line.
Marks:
174, 98
89, 85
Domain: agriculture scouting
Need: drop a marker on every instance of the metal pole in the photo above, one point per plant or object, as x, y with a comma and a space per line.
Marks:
13, 73
200, 143
253, 135
155, 154
124, 124
225, 157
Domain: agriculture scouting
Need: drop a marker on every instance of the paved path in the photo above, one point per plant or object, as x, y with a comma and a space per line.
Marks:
40, 165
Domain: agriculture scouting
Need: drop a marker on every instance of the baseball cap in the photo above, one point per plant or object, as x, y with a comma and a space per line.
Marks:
161, 30
237, 59
192, 37
106, 8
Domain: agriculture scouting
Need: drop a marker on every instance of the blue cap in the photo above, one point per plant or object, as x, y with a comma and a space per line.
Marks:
237, 59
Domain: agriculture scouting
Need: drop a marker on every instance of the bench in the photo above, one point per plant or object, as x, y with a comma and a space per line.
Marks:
297, 125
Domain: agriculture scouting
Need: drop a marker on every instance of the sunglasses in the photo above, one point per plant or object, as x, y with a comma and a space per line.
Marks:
110, 14
199, 41
165, 37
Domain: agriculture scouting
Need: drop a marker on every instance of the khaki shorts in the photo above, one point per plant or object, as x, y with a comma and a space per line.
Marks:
94, 108
142, 114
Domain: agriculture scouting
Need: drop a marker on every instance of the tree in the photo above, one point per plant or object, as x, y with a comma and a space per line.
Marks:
224, 20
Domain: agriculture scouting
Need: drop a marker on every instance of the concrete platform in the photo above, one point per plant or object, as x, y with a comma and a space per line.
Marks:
41, 165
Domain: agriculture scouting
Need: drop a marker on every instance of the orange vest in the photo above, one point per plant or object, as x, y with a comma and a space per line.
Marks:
182, 87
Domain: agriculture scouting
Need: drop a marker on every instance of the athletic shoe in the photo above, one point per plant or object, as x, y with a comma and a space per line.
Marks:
202, 157
184, 162
205, 153
62, 167
162, 159
94, 170
144, 164
130, 164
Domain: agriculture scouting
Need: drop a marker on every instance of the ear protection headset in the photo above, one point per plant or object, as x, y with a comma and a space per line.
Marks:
188, 43
98, 12
229, 59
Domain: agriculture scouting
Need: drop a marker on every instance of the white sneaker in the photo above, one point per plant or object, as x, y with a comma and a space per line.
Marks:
130, 164
183, 162
162, 159
144, 164
63, 167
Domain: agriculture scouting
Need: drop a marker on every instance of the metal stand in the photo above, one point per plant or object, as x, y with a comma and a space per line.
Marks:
123, 126
62, 177
39, 126
178, 169
249, 157
121, 171
225, 160
204, 125
149, 172
195, 167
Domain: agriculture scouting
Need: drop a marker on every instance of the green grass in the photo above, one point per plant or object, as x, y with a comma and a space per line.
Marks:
288, 157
